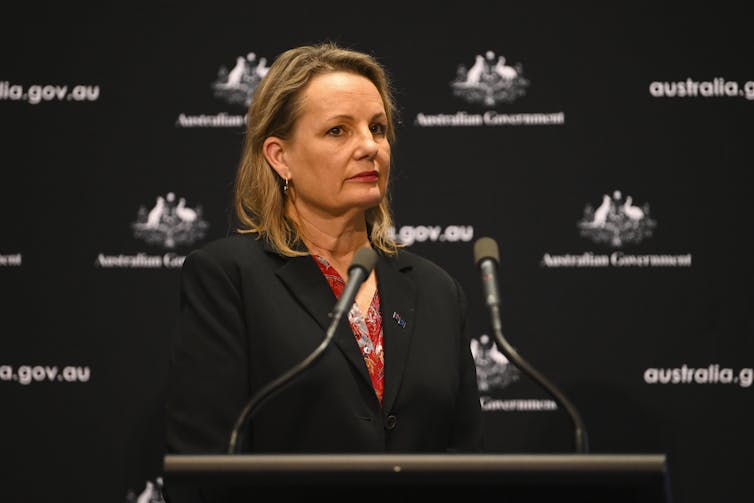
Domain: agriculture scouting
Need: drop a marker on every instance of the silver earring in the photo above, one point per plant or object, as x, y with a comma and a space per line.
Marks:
285, 187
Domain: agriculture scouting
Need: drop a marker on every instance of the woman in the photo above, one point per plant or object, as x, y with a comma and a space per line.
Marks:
311, 189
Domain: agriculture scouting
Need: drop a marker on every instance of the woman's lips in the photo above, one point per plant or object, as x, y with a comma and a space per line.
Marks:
367, 176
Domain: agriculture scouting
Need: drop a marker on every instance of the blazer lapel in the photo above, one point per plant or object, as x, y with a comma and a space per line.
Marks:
309, 286
306, 283
397, 300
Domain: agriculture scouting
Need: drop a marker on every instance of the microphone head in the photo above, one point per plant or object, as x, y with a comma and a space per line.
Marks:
364, 258
486, 248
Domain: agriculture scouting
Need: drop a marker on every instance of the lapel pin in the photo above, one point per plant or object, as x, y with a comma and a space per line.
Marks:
400, 321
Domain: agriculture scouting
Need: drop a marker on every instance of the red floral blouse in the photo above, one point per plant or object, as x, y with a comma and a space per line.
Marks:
367, 329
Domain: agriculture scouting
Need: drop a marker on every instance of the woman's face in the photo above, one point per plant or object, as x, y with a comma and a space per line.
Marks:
338, 156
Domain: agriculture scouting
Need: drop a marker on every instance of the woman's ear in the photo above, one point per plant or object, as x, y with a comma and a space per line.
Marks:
273, 149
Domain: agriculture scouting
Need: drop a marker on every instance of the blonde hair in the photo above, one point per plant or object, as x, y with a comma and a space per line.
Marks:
258, 197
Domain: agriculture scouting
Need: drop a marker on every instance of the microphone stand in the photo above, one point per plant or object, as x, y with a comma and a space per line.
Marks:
487, 258
580, 435
362, 265
237, 435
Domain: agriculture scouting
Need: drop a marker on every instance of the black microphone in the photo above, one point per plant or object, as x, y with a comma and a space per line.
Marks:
361, 266
359, 270
487, 258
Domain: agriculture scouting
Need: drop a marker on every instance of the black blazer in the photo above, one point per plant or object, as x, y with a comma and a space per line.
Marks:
248, 315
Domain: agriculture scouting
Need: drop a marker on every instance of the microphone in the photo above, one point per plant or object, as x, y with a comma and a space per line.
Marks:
487, 258
359, 270
361, 266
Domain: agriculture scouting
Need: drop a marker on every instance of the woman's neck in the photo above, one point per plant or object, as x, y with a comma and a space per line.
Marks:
335, 239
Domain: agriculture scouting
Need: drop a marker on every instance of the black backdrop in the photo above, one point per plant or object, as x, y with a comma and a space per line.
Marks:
642, 314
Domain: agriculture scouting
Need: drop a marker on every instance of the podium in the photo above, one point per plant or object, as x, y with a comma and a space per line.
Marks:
390, 477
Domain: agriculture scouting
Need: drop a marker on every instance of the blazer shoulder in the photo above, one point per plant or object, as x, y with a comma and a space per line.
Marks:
230, 251
233, 244
422, 267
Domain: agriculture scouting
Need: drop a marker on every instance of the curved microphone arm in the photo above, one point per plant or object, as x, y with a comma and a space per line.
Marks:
237, 436
580, 434
487, 258
361, 266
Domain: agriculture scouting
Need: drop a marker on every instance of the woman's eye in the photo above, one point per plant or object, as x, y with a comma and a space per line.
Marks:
335, 131
378, 128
